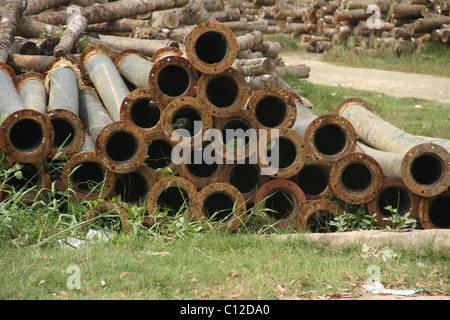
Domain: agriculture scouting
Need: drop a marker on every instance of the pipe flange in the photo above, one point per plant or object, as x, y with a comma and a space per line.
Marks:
318, 206
352, 101
9, 70
433, 211
164, 52
132, 187
314, 180
163, 158
125, 53
90, 51
109, 207
31, 75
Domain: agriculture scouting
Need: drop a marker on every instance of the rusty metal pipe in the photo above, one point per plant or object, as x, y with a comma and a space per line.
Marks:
314, 180
433, 211
211, 47
221, 205
281, 200
63, 82
134, 67
356, 178
159, 153
316, 215
396, 194
132, 187
32, 90
85, 175
26, 135
106, 207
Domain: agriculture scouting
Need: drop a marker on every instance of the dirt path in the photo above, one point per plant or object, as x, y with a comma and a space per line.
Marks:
396, 84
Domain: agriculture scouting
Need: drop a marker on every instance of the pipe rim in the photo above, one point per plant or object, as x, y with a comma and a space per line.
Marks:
90, 51
340, 109
105, 206
425, 219
313, 207
125, 53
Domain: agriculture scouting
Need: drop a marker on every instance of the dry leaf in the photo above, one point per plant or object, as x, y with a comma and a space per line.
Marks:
121, 294
177, 292
275, 256
123, 274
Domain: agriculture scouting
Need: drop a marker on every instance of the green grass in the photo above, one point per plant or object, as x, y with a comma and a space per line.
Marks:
431, 119
210, 266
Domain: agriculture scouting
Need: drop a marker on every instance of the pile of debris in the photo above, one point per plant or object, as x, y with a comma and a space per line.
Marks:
153, 128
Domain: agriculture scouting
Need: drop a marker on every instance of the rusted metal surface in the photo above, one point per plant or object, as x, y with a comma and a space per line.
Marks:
315, 215
32, 90
107, 208
273, 107
433, 211
211, 47
134, 67
159, 153
26, 135
171, 194
63, 108
281, 200
140, 108
221, 205
200, 174
132, 187
284, 155
356, 178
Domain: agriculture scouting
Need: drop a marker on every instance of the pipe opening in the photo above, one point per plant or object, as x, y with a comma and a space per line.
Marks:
30, 178
236, 137
26, 135
427, 169
173, 80
313, 179
356, 178
330, 139
280, 204
185, 118
64, 133
271, 111
159, 154
132, 187
222, 91
218, 206
244, 177
88, 177
397, 198
319, 222
145, 113
439, 212
211, 47
284, 150
173, 200
121, 146
200, 168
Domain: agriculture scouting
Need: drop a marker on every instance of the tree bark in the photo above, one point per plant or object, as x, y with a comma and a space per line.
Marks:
21, 62
76, 25
8, 26
300, 71
254, 67
37, 6
121, 25
30, 28
249, 40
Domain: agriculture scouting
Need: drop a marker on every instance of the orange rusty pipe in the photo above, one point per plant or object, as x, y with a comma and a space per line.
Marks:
32, 90
316, 214
107, 208
134, 67
433, 211
132, 187
26, 135
159, 153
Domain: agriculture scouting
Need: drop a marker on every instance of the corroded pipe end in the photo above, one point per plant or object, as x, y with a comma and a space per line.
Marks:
140, 108
27, 136
165, 52
314, 180
125, 53
287, 153
90, 51
211, 47
107, 208
159, 154
356, 178
69, 134
223, 93
351, 101
121, 147
31, 75
315, 214
172, 77
433, 211
425, 169
393, 193
281, 200
329, 137
85, 175
200, 174
172, 194
273, 107
132, 187
184, 120
8, 69
221, 205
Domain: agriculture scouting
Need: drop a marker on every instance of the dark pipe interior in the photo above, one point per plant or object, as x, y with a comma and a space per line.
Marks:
173, 200
201, 169
64, 133
211, 47
271, 111
145, 113
313, 179
397, 198
285, 150
132, 187
427, 169
356, 178
87, 177
244, 177
281, 203
330, 139
189, 119
173, 80
439, 212
319, 221
159, 154
218, 206
121, 146
26, 135
236, 129
30, 178
222, 91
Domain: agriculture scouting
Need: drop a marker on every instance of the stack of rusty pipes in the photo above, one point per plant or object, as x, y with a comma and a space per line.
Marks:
138, 116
